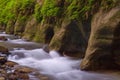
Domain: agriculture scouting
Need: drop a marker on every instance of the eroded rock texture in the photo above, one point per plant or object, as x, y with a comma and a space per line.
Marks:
103, 50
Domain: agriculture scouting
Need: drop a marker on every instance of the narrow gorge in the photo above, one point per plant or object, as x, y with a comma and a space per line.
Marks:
73, 36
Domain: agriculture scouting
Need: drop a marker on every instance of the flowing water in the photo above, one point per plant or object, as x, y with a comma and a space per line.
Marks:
51, 64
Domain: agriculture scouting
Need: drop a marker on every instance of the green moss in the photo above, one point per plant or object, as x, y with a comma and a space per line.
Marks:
38, 14
77, 9
50, 11
49, 8
72, 10
82, 9
39, 37
10, 9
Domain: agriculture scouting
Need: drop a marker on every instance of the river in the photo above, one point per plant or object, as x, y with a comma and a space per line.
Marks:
51, 64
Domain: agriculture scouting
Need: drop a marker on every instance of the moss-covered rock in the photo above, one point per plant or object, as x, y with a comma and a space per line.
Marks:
30, 29
54, 22
69, 39
44, 33
10, 27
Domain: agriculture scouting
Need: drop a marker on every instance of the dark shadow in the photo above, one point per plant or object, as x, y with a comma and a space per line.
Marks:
49, 34
73, 41
115, 48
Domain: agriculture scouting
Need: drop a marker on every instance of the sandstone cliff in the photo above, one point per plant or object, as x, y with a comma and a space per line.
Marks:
104, 43
65, 25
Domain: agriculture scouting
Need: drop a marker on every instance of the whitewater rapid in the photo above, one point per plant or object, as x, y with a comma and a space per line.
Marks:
54, 65
51, 64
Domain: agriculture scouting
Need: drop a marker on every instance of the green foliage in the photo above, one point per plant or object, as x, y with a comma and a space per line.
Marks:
81, 9
25, 4
38, 14
6, 12
10, 8
49, 8
73, 9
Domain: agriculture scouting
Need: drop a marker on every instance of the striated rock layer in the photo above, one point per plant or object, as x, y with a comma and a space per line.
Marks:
103, 50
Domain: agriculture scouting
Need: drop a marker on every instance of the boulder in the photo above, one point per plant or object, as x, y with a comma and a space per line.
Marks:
103, 51
4, 50
10, 63
23, 69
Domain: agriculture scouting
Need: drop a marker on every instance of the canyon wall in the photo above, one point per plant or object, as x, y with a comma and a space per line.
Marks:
65, 26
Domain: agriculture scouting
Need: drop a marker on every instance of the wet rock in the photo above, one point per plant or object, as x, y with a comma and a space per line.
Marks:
46, 48
4, 51
2, 67
18, 54
22, 69
17, 76
3, 60
10, 63
3, 38
2, 71
2, 78
23, 76
18, 72
42, 77
12, 76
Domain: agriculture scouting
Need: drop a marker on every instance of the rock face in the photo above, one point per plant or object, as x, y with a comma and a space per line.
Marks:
103, 50
64, 25
55, 23
69, 40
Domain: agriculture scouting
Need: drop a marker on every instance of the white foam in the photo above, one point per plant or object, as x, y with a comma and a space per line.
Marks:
81, 75
37, 54
60, 68
20, 41
54, 54
3, 34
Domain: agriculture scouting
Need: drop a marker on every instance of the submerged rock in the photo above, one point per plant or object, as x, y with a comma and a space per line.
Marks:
3, 38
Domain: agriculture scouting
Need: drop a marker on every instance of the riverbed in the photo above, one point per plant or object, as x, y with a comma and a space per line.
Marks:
51, 64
